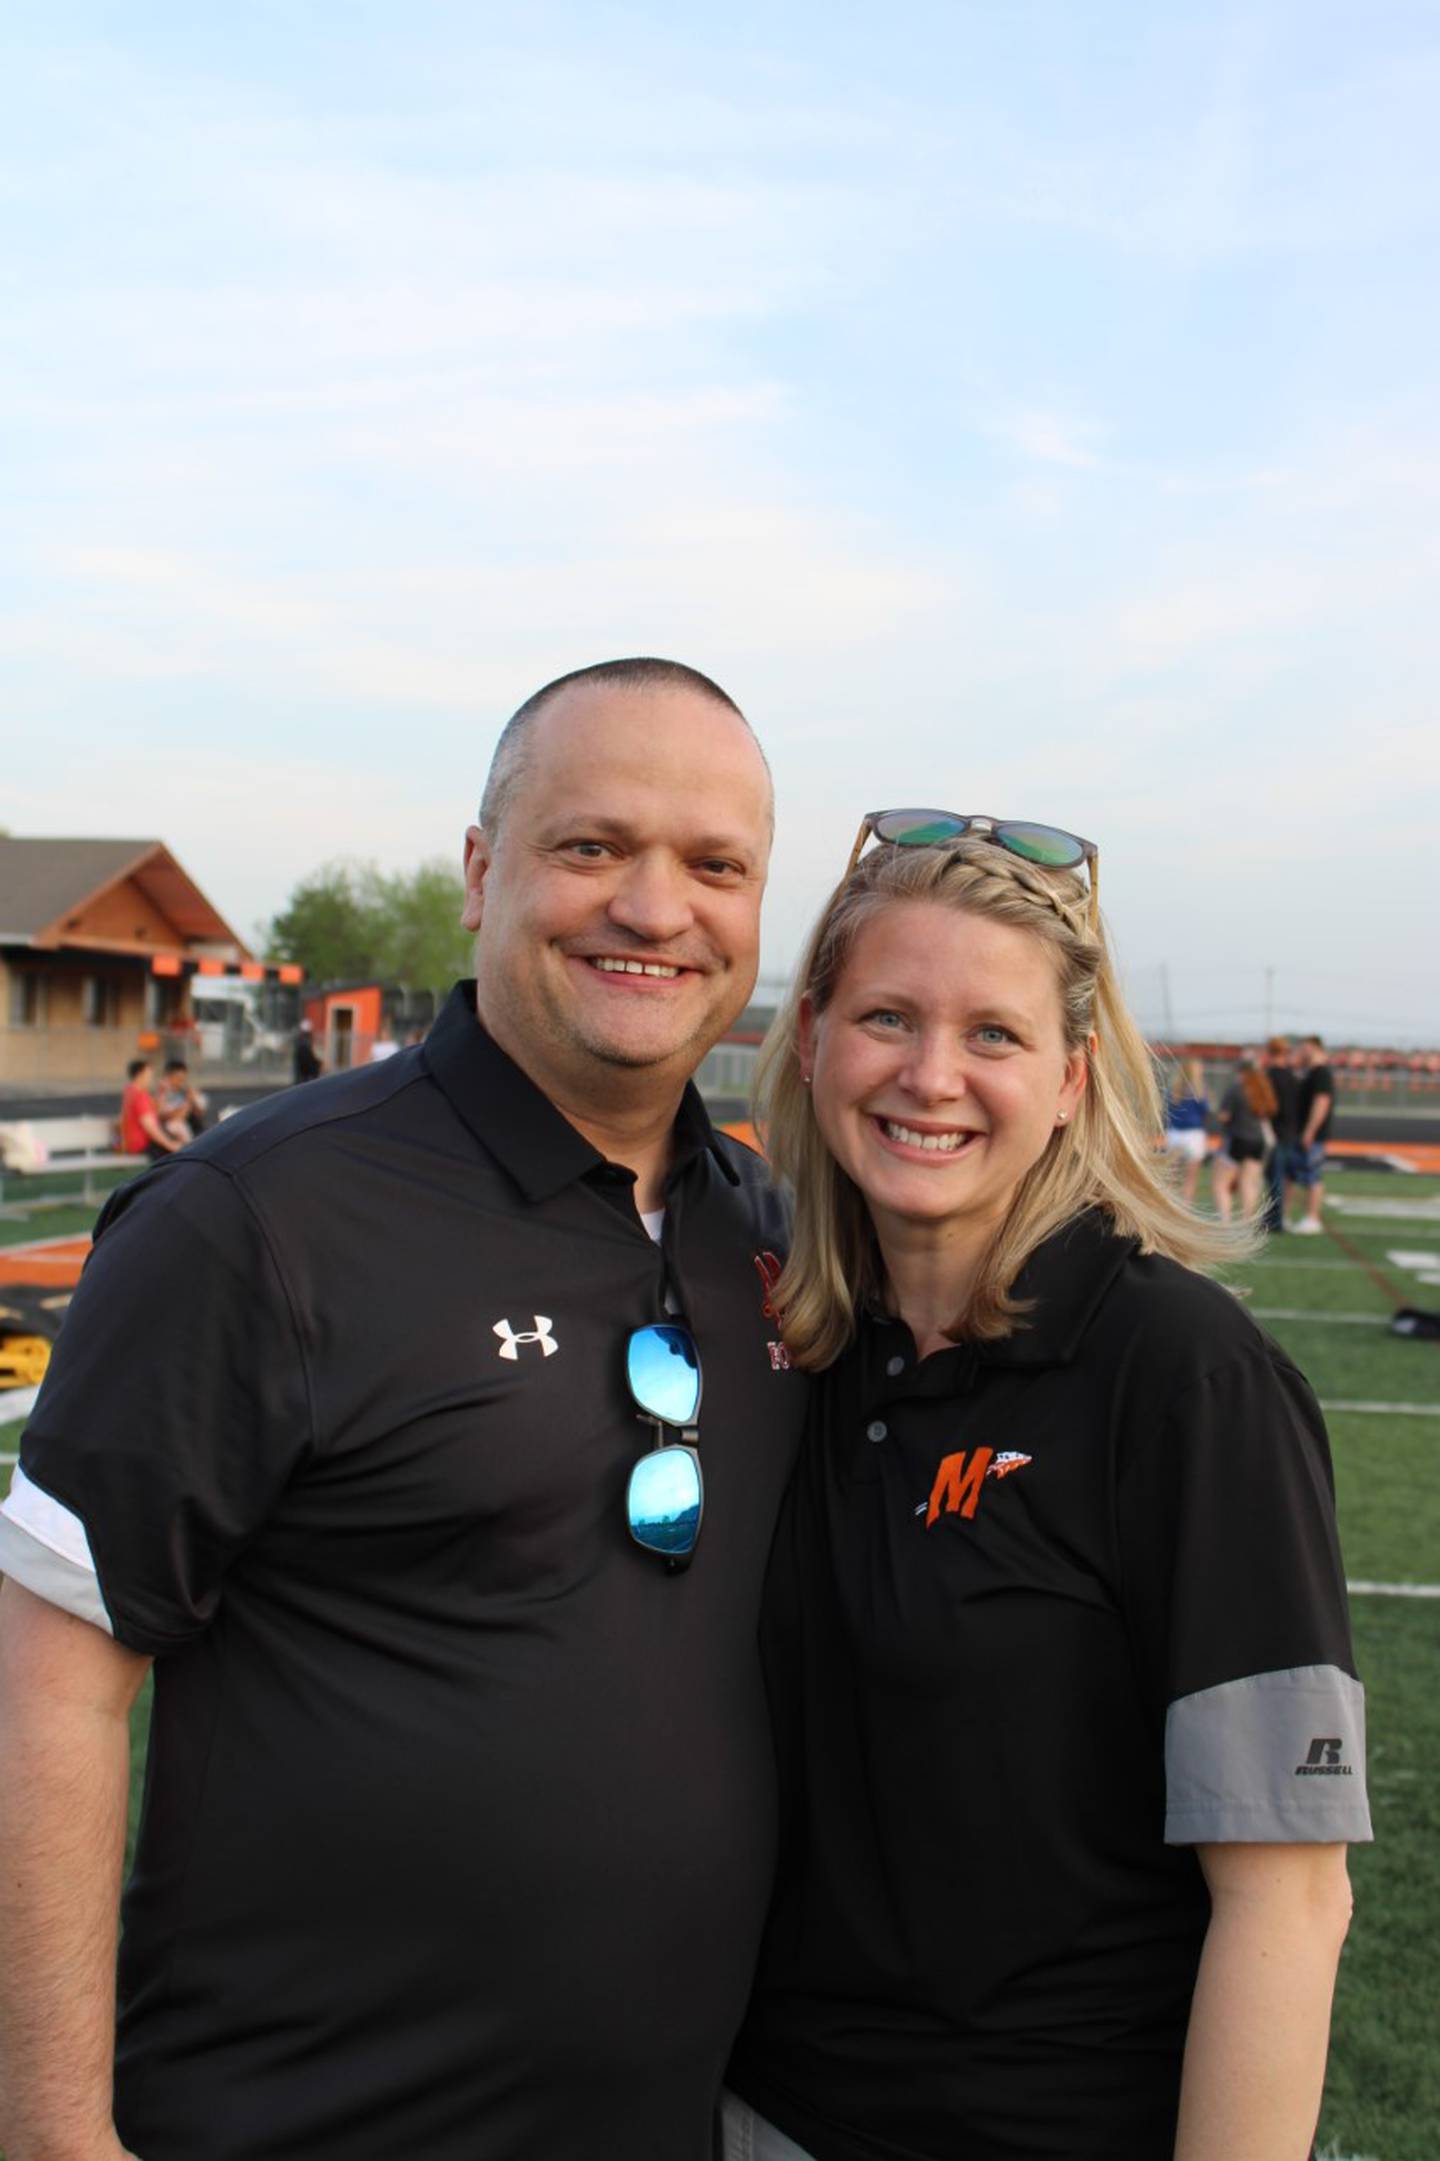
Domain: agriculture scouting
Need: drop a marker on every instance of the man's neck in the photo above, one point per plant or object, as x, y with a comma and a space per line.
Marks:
639, 1138
627, 1114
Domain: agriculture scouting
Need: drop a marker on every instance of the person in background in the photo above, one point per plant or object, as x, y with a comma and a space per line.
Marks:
1056, 1622
384, 1045
1246, 1111
1286, 1124
141, 1132
308, 1064
1315, 1113
181, 1106
1187, 1108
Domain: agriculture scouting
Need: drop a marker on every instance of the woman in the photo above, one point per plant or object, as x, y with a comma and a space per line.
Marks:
1286, 1123
1187, 1108
1246, 1109
1067, 1720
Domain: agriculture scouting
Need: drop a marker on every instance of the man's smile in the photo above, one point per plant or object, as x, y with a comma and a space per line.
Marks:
665, 970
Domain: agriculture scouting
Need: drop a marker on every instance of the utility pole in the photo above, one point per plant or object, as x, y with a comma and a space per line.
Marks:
1269, 1003
1165, 1006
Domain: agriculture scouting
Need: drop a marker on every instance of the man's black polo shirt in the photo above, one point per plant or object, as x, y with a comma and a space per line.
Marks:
458, 1828
1043, 1615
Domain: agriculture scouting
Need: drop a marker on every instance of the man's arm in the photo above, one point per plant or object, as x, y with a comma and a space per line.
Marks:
66, 1690
1319, 1112
153, 1130
1260, 2017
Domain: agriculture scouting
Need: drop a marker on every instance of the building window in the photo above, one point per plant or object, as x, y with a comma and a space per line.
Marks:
100, 1001
27, 998
164, 1001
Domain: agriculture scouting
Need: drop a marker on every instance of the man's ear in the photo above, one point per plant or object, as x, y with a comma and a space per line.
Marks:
476, 863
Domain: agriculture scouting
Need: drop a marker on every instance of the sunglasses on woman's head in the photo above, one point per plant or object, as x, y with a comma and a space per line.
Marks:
1049, 847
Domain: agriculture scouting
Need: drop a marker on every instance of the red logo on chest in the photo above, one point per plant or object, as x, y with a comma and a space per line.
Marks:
958, 1482
767, 1266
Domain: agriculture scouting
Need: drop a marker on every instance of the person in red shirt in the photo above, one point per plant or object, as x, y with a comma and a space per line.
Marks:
141, 1133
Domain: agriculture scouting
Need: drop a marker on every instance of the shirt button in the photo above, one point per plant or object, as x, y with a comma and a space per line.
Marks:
876, 1430
894, 1366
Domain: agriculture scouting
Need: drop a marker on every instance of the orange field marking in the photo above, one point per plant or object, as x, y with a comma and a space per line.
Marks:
46, 1260
1420, 1155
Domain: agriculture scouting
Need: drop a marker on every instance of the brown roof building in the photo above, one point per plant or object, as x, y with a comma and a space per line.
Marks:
99, 942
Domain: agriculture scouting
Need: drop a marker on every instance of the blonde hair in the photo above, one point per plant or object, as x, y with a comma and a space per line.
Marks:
1106, 1157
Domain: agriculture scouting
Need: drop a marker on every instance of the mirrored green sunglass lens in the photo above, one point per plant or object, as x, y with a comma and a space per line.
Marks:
1043, 844
919, 828
663, 1501
663, 1369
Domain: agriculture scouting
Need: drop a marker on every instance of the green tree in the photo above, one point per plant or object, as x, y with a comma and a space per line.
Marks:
353, 922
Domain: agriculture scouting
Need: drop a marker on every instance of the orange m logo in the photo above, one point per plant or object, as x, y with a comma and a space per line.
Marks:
957, 1484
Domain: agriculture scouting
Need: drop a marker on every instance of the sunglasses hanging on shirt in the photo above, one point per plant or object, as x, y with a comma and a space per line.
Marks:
665, 1498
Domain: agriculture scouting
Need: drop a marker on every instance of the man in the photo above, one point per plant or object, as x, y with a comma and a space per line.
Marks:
306, 1061
180, 1105
458, 1831
1313, 1112
141, 1133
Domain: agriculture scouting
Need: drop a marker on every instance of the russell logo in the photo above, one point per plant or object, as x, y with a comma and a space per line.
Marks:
1323, 1760
511, 1339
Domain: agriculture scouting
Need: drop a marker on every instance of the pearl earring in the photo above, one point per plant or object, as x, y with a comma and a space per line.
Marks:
1060, 1117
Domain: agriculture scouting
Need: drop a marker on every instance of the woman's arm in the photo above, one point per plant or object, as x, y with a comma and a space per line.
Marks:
1260, 2018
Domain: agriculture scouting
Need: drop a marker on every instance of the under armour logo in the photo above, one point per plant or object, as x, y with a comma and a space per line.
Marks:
512, 1338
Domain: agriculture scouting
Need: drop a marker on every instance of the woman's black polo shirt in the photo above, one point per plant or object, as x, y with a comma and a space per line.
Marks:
1041, 1616
459, 1820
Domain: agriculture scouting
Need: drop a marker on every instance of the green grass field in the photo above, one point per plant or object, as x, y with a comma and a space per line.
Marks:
1383, 2093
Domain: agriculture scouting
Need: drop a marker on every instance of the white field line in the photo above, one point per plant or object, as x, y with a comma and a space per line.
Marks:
1378, 1211
1283, 1260
1388, 1410
1308, 1313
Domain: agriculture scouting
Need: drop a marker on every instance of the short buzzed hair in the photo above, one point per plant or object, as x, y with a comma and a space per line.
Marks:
641, 673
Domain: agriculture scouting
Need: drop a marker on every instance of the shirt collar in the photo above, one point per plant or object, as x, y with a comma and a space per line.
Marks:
1067, 1279
518, 1124
1064, 1282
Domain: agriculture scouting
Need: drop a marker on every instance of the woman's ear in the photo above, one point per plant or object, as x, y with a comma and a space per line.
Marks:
1077, 1077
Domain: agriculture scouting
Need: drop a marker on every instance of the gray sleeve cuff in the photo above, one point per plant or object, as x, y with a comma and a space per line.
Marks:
1275, 1758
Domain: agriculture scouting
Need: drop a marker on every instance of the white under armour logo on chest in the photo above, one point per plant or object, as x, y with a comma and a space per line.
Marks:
512, 1338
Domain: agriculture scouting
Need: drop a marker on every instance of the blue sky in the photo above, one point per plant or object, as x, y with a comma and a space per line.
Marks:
1020, 408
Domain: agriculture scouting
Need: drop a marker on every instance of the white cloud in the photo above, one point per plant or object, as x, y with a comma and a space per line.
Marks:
1049, 438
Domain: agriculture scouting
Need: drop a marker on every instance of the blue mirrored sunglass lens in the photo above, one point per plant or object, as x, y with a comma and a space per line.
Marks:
919, 828
1042, 844
663, 1369
663, 1501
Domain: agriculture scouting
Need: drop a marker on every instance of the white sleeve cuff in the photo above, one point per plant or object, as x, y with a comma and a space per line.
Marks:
44, 1546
